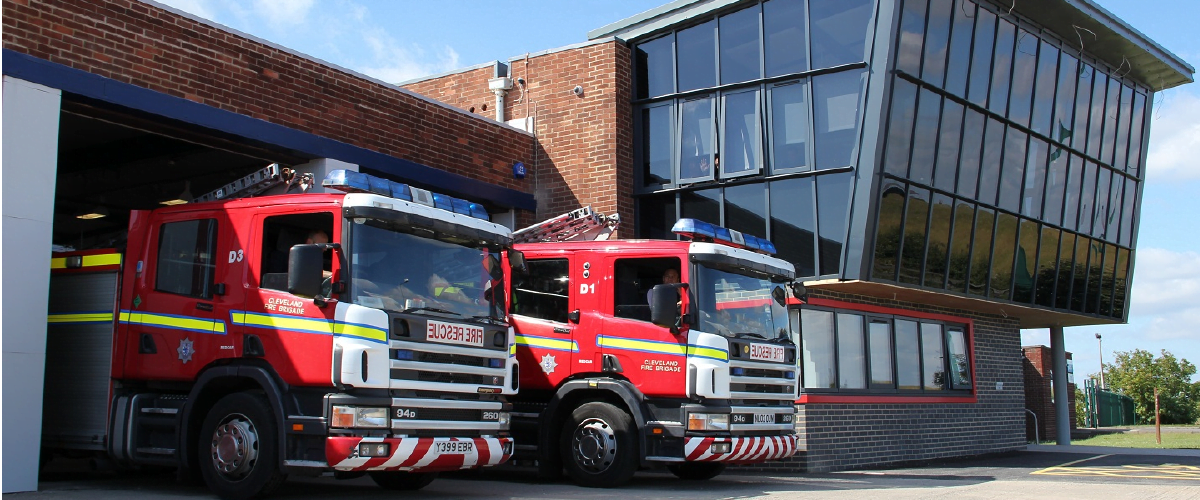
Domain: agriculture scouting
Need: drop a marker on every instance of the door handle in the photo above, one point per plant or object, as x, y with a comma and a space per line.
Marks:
573, 316
204, 306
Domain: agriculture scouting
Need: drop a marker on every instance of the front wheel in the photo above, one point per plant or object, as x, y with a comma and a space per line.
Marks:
696, 471
599, 447
239, 449
402, 481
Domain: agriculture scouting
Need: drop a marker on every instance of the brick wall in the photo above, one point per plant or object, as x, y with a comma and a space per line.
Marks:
584, 143
143, 45
1038, 364
847, 436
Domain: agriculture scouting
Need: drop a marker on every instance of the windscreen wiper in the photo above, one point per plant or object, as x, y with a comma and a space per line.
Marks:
491, 319
430, 309
748, 334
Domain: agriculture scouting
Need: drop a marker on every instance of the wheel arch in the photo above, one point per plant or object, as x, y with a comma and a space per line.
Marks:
572, 394
217, 382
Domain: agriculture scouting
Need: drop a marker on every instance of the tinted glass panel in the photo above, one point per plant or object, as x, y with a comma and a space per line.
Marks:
656, 146
960, 360
908, 356
985, 220
544, 291
1079, 275
655, 67
1127, 211
947, 150
900, 127
656, 215
1043, 93
1096, 115
1106, 281
1135, 131
937, 41
1083, 104
1002, 256
740, 55
989, 166
836, 97
1066, 268
1112, 105
1026, 262
793, 223
186, 258
1095, 270
784, 25
852, 362
1100, 219
912, 253
1121, 282
704, 205
839, 31
932, 357
887, 236
789, 126
1047, 278
912, 36
697, 56
1024, 70
833, 203
1072, 200
960, 246
1035, 178
972, 148
1064, 100
881, 354
1121, 156
981, 58
929, 109
816, 341
939, 241
1056, 185
741, 142
697, 149
1014, 169
1006, 37
746, 209
1113, 210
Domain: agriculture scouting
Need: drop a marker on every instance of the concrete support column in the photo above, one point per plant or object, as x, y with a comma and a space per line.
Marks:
30, 143
1062, 414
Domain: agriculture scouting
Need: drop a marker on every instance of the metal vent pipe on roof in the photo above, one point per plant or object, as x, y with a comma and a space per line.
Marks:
500, 86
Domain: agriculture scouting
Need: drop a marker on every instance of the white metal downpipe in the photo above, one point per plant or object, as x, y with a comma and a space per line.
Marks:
500, 86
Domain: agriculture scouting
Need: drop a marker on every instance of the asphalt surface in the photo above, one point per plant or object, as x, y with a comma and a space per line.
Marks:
1048, 472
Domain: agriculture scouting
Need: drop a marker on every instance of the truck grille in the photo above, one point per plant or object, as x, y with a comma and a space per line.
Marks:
450, 359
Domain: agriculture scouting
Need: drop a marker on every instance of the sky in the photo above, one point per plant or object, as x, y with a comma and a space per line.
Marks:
396, 41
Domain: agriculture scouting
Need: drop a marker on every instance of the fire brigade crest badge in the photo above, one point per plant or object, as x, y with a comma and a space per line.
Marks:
548, 364
185, 350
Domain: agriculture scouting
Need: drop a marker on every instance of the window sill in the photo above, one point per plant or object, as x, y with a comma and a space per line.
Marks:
883, 399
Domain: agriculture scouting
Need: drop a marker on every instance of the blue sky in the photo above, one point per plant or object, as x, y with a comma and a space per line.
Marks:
400, 40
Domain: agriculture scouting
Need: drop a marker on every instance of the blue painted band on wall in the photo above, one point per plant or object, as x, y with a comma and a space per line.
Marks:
79, 82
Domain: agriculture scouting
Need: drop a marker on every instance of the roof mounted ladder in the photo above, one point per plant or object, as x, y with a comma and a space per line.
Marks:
581, 224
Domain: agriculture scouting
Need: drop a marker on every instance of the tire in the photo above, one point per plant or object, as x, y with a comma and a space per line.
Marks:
238, 449
402, 481
599, 446
696, 471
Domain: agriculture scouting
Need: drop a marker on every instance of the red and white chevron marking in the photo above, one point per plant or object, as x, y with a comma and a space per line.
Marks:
742, 449
416, 454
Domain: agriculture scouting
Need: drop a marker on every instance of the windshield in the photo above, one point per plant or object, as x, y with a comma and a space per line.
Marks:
422, 271
738, 304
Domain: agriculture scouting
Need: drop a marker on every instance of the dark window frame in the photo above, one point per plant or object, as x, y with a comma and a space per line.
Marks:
207, 268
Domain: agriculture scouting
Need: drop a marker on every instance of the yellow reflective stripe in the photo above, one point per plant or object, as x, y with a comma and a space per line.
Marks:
360, 331
707, 352
309, 325
642, 345
176, 322
547, 343
103, 259
79, 317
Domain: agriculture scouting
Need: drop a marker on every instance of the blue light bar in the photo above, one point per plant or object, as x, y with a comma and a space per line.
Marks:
349, 181
479, 212
443, 202
401, 191
703, 231
693, 228
461, 206
380, 186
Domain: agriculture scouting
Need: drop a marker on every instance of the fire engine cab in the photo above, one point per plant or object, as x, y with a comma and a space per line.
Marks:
246, 339
644, 352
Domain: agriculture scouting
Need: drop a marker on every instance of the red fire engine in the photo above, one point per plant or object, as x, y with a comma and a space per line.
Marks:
358, 332
638, 353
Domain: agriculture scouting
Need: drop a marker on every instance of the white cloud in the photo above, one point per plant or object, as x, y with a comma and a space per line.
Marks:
283, 14
1165, 287
1174, 137
393, 62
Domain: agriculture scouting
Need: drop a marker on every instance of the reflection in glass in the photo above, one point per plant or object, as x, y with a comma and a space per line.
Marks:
960, 360
972, 146
740, 56
912, 35
1047, 264
789, 126
1083, 104
939, 241
947, 150
1127, 212
1096, 117
656, 216
702, 205
1095, 275
929, 108
932, 357
1026, 261
839, 31
697, 57
817, 353
981, 59
1066, 269
1043, 92
1100, 223
746, 209
1112, 102
989, 166
960, 246
1087, 199
1116, 190
794, 225
887, 235
784, 25
833, 205
1064, 100
913, 249
1106, 281
960, 47
697, 154
1014, 169
655, 67
1006, 35
741, 144
1136, 134
937, 40
1121, 283
656, 146
837, 116
981, 258
1002, 256
1024, 69
1056, 185
852, 363
908, 356
1071, 201
1035, 178
880, 335
1121, 156
900, 128
1079, 275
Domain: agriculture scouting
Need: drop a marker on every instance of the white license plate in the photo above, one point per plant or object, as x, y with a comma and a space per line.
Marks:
454, 447
765, 352
453, 333
764, 418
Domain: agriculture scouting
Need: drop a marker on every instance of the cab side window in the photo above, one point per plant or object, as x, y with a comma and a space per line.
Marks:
186, 260
543, 292
280, 234
634, 279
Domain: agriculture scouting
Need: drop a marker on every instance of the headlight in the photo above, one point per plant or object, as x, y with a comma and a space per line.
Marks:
504, 417
708, 421
351, 416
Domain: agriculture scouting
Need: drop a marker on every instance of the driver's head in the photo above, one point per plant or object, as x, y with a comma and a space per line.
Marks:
317, 236
670, 276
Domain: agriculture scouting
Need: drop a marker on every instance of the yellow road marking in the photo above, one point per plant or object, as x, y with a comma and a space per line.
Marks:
1165, 471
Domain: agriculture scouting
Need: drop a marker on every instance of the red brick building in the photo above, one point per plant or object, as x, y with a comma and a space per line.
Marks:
1039, 396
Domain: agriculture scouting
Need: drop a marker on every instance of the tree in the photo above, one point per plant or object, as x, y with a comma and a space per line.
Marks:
1137, 373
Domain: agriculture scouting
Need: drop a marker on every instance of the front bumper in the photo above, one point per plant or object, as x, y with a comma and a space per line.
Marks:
743, 450
417, 454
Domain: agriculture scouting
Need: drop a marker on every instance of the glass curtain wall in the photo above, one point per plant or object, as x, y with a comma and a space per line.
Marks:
750, 118
1011, 165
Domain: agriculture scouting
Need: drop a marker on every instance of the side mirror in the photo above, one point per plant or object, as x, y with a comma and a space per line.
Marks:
516, 260
305, 263
779, 295
493, 267
799, 291
664, 306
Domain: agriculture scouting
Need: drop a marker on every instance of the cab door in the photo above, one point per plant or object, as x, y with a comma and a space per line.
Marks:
650, 356
542, 308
